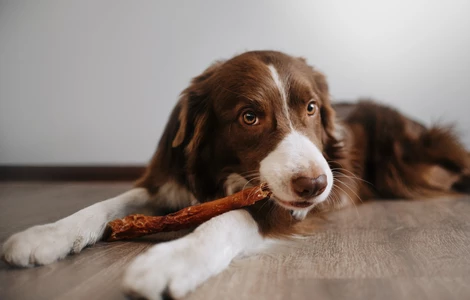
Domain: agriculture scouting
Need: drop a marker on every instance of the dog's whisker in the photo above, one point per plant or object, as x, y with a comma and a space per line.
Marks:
349, 198
349, 172
337, 178
353, 189
333, 198
262, 205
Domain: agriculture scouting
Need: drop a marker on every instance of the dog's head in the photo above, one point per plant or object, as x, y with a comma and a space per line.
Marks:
261, 116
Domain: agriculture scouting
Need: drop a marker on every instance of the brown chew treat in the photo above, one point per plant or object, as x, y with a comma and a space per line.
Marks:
139, 225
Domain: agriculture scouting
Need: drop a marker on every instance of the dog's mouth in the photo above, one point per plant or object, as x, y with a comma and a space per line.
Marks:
295, 204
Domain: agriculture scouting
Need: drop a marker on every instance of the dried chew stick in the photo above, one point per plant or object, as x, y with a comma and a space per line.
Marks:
139, 225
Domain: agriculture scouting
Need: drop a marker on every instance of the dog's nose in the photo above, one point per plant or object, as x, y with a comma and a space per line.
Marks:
308, 187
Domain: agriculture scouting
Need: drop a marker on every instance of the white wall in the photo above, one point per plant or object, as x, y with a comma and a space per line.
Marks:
85, 82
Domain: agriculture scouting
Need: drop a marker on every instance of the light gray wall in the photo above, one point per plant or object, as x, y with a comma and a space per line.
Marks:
94, 81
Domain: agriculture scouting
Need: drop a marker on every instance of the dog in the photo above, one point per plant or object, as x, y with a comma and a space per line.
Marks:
262, 116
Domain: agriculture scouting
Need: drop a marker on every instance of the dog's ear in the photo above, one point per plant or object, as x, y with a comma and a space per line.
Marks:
178, 148
182, 120
328, 115
332, 134
193, 106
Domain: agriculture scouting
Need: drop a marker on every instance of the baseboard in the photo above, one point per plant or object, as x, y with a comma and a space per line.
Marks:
70, 173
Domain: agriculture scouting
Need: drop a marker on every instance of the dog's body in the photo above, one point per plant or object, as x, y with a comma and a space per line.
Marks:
261, 116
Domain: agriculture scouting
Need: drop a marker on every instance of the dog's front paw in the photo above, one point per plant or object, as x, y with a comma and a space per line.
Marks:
175, 268
41, 245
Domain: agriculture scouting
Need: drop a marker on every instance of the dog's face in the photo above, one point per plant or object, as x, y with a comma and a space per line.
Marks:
261, 116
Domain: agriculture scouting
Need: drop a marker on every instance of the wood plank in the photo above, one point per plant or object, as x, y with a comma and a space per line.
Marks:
381, 250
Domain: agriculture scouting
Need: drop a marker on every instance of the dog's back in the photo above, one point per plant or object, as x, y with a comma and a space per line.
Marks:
401, 158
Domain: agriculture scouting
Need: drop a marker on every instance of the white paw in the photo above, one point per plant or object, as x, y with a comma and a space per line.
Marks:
176, 268
41, 245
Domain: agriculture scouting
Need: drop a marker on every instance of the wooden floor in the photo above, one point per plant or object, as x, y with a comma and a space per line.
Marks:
381, 250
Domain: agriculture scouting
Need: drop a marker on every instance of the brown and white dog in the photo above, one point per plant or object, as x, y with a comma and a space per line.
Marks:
261, 116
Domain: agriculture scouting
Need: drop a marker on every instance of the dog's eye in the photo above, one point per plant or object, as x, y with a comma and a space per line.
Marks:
311, 108
250, 118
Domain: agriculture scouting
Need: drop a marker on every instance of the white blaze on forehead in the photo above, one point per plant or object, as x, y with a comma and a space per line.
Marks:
282, 90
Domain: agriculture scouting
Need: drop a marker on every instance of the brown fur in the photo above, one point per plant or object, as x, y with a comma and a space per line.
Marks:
374, 151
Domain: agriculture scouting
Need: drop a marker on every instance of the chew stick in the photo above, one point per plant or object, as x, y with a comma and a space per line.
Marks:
139, 225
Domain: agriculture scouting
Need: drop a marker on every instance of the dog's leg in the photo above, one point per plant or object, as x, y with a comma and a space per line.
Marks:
44, 244
179, 266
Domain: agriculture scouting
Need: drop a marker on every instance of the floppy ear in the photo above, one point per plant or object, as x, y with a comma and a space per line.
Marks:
177, 149
182, 120
328, 114
192, 115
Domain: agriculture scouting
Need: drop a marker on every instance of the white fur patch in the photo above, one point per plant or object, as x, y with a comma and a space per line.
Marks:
300, 214
44, 244
282, 90
182, 265
294, 155
235, 183
175, 196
